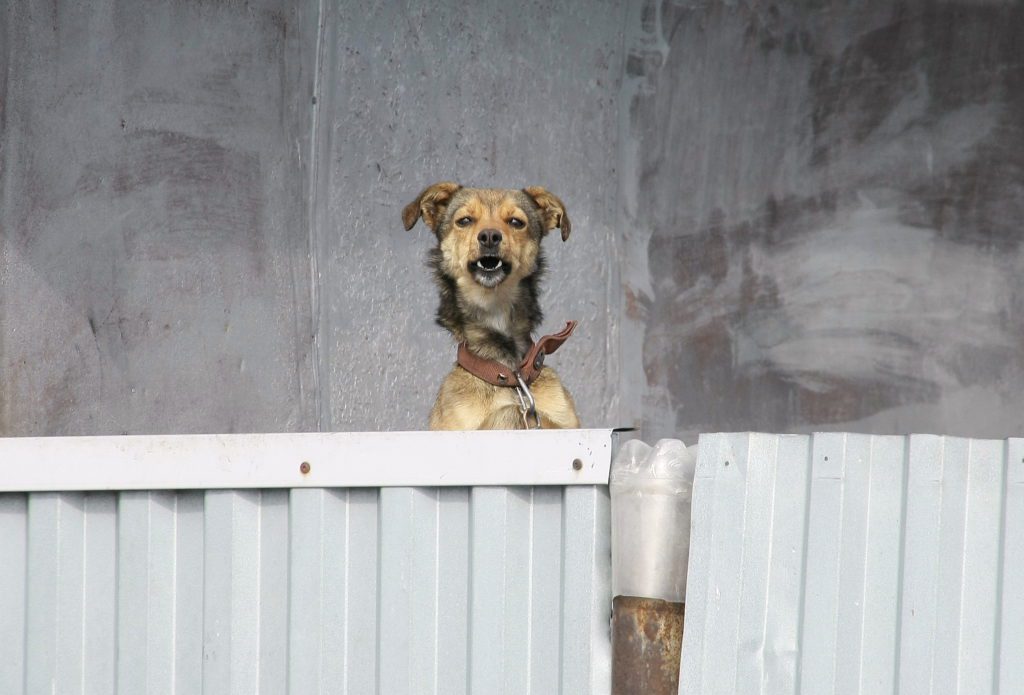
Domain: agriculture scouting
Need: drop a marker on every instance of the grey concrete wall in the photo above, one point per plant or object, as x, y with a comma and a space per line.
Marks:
200, 224
786, 217
489, 94
826, 204
153, 252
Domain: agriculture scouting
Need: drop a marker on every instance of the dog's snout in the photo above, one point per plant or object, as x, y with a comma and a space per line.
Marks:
489, 238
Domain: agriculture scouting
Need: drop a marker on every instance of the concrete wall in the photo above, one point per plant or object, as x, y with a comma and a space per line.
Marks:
153, 227
783, 218
826, 206
200, 223
491, 94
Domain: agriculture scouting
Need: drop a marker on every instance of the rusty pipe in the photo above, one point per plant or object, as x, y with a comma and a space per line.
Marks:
647, 637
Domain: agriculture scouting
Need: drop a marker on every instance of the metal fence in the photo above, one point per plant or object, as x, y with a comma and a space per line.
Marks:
841, 563
424, 563
454, 589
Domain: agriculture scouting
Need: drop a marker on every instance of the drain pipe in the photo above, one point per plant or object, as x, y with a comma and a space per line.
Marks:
650, 494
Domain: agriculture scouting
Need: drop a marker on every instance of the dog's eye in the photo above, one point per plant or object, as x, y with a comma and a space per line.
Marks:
464, 221
516, 223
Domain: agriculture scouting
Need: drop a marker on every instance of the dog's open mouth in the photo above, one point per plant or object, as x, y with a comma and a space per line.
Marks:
489, 271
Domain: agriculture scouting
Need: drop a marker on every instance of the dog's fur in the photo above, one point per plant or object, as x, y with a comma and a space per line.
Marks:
489, 297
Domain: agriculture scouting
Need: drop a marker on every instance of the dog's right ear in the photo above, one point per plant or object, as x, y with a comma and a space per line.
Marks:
430, 204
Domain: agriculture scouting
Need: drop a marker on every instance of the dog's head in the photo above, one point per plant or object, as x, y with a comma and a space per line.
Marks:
488, 236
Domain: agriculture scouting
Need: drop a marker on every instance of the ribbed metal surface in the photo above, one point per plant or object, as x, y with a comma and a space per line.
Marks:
840, 563
392, 591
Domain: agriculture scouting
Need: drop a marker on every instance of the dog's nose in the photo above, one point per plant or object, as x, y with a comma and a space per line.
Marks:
489, 238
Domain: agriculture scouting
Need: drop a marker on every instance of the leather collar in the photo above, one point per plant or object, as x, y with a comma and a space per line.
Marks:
499, 374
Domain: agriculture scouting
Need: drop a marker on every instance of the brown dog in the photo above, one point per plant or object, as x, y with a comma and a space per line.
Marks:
488, 264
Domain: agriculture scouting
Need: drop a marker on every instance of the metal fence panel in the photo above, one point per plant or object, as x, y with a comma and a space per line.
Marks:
843, 563
391, 590
13, 590
1011, 578
333, 594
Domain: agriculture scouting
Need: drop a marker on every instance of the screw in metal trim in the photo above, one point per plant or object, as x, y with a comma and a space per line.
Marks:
577, 465
304, 468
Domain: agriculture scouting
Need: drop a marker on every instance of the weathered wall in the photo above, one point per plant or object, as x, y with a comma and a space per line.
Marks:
487, 94
152, 246
200, 223
826, 215
786, 217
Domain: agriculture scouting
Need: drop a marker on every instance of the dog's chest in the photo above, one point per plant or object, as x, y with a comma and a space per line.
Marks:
497, 319
494, 311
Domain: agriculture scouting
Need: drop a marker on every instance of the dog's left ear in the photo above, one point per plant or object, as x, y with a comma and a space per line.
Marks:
552, 208
430, 204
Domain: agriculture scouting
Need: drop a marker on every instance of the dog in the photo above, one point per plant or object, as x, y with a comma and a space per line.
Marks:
488, 265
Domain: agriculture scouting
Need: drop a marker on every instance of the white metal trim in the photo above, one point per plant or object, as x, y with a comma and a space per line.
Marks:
339, 459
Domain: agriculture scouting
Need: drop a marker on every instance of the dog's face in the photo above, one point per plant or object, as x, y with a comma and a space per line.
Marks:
487, 237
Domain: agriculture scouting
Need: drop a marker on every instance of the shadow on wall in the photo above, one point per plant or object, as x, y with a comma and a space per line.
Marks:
836, 201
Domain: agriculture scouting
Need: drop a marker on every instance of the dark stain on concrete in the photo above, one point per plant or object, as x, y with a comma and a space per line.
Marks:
954, 57
889, 161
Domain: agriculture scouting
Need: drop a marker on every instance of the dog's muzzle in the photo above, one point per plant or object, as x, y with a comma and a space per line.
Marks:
489, 269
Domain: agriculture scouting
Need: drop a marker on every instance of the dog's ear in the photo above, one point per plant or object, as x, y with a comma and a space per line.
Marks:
429, 204
552, 208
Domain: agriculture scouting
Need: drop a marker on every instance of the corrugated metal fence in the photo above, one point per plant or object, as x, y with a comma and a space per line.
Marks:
840, 563
374, 590
831, 563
